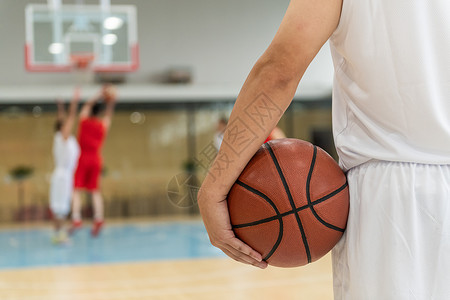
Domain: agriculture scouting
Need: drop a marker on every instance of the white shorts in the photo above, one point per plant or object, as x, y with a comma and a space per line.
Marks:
61, 188
397, 242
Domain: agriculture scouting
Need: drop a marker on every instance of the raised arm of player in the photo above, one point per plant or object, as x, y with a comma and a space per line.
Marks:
61, 113
67, 127
110, 96
264, 97
87, 106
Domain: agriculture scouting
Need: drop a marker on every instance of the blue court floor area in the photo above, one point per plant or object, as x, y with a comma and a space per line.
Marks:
128, 242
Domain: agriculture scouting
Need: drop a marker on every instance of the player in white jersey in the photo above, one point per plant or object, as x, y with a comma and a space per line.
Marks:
391, 126
218, 136
65, 152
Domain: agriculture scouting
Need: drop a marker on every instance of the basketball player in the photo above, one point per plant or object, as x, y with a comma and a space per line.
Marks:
391, 126
220, 130
91, 134
65, 154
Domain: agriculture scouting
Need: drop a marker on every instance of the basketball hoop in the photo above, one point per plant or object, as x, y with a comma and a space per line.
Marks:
77, 40
82, 67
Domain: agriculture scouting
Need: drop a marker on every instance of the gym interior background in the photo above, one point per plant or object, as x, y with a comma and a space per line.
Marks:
161, 126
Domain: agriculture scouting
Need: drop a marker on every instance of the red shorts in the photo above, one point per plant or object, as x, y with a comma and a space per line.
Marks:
87, 175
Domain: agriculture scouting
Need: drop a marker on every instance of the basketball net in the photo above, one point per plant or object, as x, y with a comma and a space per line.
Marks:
82, 68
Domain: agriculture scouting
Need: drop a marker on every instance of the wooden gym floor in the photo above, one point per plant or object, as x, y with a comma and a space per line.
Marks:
166, 260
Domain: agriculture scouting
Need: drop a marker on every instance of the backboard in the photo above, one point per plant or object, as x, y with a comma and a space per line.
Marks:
56, 36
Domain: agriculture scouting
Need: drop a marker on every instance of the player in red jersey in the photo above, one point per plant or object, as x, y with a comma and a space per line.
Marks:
92, 131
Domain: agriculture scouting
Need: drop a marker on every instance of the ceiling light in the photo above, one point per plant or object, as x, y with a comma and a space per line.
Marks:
109, 39
112, 23
56, 48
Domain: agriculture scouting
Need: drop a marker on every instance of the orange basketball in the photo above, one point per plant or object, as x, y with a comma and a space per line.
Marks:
109, 92
290, 203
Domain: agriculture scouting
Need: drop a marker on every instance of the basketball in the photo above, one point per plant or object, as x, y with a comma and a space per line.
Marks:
290, 203
109, 92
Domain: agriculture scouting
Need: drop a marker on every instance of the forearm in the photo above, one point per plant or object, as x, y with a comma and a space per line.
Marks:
74, 104
109, 111
61, 115
264, 97
70, 120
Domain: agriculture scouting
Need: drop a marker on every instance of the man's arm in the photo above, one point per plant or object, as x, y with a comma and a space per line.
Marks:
66, 129
110, 96
87, 106
264, 97
61, 113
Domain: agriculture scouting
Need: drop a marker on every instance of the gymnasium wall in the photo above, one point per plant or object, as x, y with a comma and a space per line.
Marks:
218, 40
140, 158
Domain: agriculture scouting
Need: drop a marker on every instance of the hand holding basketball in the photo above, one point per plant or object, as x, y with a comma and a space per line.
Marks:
109, 93
214, 210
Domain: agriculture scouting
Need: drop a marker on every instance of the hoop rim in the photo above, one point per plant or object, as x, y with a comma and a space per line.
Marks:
32, 66
81, 61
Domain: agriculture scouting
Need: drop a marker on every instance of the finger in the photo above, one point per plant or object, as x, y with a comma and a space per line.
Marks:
233, 255
244, 248
244, 257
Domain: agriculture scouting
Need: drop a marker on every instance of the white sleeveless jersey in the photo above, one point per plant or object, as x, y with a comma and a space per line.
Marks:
65, 153
391, 93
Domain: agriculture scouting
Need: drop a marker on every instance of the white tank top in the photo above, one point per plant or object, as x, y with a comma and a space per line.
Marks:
391, 92
65, 152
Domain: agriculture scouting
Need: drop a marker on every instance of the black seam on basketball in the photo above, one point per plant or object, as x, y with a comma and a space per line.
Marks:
270, 219
308, 195
333, 193
298, 209
278, 216
259, 222
291, 200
